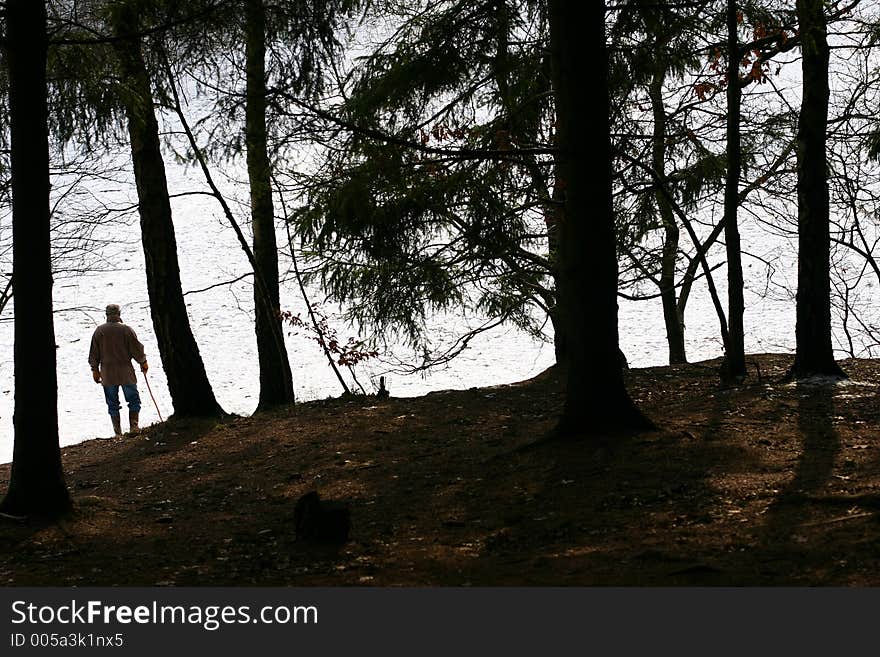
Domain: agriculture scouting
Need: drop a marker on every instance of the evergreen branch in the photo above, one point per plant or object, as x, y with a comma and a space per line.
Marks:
448, 106
457, 347
379, 135
101, 38
305, 296
683, 4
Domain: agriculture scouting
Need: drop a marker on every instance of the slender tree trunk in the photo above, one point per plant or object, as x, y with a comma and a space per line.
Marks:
37, 485
814, 353
188, 384
276, 384
735, 359
596, 397
672, 318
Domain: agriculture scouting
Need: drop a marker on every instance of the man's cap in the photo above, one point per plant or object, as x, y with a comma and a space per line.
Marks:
112, 310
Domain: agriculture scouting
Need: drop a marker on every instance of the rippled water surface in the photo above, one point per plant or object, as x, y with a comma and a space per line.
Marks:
221, 321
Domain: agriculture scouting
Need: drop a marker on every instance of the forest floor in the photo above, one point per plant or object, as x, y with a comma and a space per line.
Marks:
765, 484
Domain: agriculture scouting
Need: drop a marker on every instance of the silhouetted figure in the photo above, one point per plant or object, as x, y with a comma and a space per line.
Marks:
113, 347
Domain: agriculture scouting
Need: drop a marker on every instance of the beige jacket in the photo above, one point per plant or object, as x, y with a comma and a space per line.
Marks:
114, 344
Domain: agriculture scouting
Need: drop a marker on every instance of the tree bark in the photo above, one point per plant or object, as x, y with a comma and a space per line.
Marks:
734, 359
553, 216
671, 316
191, 392
276, 381
814, 354
36, 485
596, 398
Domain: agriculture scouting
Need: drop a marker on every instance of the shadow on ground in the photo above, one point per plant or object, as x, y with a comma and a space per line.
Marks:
766, 483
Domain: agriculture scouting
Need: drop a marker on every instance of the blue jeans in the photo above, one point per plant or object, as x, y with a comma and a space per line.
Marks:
129, 391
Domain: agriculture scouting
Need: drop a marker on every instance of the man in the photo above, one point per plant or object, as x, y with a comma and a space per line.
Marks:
113, 347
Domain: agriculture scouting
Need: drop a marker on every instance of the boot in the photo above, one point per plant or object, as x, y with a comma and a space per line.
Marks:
117, 424
133, 421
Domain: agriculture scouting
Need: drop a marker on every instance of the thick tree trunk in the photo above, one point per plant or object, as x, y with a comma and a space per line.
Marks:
36, 486
814, 354
188, 384
276, 383
596, 397
735, 359
673, 320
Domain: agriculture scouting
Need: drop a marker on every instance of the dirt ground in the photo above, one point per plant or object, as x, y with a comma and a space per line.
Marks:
765, 484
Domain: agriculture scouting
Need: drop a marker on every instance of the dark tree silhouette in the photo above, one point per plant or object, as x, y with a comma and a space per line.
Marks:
276, 382
734, 357
188, 384
596, 397
37, 485
814, 353
672, 315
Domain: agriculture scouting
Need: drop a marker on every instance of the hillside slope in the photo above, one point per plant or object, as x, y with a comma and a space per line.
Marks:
767, 484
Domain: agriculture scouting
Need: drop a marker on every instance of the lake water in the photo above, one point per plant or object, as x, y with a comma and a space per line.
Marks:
221, 320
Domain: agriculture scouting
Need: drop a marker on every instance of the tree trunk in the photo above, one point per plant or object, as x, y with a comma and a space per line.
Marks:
36, 486
672, 318
814, 354
276, 384
188, 384
734, 359
553, 220
596, 397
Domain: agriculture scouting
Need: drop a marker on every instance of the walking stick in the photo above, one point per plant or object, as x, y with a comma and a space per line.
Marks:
150, 390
